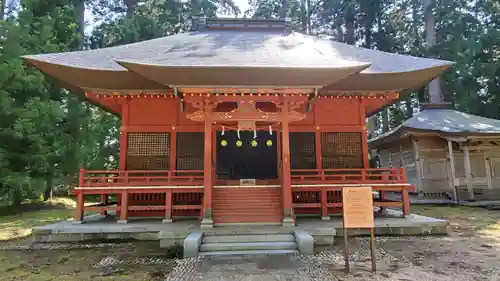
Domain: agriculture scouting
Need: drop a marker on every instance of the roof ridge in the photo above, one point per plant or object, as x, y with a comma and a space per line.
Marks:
203, 23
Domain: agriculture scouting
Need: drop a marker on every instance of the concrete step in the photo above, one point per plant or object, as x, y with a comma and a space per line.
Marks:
253, 252
249, 238
246, 229
221, 220
244, 207
247, 246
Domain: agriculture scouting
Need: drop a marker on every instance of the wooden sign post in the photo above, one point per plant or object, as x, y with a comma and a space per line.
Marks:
358, 213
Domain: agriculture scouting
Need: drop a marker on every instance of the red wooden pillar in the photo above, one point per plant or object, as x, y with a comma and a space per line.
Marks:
173, 151
364, 137
214, 158
318, 150
278, 148
406, 201
123, 146
80, 198
104, 201
124, 207
207, 221
123, 137
168, 206
79, 207
324, 204
319, 166
288, 215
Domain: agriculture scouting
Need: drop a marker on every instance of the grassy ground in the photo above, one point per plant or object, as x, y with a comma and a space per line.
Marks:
83, 264
74, 265
465, 221
18, 224
69, 265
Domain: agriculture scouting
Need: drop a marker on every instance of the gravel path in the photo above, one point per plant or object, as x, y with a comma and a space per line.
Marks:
398, 259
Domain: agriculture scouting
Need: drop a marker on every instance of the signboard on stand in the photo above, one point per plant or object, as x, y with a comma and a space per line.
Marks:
358, 213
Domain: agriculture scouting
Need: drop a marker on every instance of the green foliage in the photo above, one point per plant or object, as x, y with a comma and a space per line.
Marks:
38, 147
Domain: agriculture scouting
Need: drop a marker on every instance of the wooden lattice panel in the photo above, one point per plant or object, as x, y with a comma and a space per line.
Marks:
302, 197
190, 150
302, 151
341, 150
148, 151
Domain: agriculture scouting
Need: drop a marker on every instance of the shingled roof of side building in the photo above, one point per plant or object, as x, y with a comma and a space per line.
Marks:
441, 120
239, 52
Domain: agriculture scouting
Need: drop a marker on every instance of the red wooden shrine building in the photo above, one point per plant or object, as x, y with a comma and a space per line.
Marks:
238, 121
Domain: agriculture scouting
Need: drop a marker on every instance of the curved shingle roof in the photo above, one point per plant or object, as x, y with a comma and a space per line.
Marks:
445, 121
253, 50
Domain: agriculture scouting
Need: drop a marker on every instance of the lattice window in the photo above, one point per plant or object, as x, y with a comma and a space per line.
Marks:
302, 151
190, 150
341, 150
148, 151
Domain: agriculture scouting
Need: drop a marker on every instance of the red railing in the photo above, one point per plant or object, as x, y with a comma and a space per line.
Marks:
349, 176
89, 178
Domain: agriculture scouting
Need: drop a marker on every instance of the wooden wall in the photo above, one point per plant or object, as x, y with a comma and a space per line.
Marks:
485, 170
428, 166
167, 111
327, 117
435, 176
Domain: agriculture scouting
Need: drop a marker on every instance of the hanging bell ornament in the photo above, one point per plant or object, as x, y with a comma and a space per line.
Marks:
254, 143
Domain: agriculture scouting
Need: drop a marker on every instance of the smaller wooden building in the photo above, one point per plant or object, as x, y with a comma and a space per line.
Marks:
447, 154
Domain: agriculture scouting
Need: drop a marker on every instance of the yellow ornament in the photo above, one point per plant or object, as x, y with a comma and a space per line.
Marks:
223, 143
269, 143
239, 143
254, 143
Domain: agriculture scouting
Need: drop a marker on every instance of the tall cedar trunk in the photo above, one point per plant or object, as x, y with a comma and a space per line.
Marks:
385, 119
303, 16
368, 36
371, 125
131, 5
409, 107
2, 9
16, 197
73, 158
349, 36
308, 16
74, 107
435, 93
47, 193
80, 17
283, 11
415, 5
305, 11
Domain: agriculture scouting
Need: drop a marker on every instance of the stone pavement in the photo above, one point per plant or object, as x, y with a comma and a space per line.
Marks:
251, 268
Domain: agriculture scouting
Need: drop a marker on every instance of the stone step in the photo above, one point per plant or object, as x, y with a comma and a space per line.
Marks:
247, 246
246, 229
252, 252
249, 238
